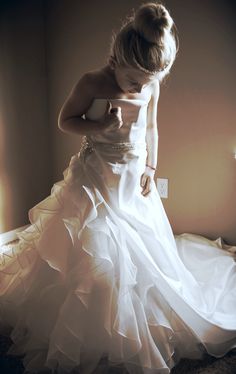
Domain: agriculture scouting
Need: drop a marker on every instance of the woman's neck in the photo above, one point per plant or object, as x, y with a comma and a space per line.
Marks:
110, 73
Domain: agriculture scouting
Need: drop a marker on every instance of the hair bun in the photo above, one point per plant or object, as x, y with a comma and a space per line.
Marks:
151, 20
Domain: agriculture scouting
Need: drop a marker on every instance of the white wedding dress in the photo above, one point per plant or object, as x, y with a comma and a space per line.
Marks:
98, 277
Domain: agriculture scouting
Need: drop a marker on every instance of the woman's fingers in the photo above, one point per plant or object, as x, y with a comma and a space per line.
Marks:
143, 180
146, 186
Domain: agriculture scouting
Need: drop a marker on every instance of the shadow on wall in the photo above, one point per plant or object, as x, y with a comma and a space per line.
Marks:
25, 144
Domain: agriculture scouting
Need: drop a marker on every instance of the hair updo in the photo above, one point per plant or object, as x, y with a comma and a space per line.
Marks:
147, 41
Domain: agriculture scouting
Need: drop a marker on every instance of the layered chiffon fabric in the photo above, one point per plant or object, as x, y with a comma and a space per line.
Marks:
98, 278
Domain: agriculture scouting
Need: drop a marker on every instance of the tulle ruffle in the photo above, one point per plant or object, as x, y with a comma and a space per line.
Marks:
91, 280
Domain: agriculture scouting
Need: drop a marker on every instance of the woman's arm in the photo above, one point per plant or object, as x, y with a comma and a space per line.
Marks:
151, 130
70, 119
151, 140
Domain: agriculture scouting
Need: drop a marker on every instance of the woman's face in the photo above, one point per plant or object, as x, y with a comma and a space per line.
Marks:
130, 79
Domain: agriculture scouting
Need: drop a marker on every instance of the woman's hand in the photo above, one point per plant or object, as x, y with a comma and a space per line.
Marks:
146, 179
111, 120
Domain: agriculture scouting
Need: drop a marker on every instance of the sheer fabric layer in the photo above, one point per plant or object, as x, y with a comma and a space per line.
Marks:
98, 275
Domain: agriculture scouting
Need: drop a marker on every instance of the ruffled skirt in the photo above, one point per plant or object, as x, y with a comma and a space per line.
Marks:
99, 280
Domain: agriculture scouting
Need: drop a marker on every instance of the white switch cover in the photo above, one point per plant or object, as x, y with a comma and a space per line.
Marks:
162, 187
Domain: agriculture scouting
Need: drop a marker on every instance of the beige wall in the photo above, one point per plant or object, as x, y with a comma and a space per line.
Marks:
196, 111
197, 123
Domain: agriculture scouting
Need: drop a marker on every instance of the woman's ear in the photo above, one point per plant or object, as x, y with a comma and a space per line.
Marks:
112, 62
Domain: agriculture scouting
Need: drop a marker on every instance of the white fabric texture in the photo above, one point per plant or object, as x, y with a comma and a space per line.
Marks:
98, 274
150, 172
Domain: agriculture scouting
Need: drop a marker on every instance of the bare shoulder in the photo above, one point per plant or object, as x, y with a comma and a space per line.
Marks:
152, 105
89, 82
154, 90
96, 77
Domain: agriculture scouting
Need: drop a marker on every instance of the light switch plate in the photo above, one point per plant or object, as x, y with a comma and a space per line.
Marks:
162, 187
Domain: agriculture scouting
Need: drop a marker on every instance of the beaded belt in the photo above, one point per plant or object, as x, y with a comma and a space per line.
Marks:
89, 145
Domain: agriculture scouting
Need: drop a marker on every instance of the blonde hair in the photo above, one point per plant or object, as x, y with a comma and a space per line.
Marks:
147, 41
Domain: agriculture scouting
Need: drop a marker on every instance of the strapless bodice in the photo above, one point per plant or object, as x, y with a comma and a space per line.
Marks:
133, 113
